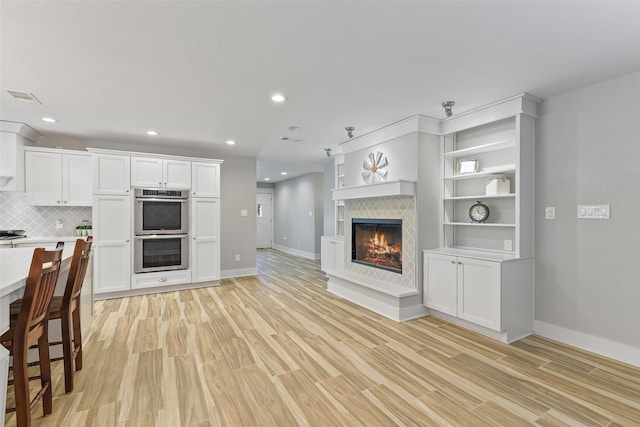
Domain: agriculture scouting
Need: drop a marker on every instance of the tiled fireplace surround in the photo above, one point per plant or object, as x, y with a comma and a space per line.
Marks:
398, 207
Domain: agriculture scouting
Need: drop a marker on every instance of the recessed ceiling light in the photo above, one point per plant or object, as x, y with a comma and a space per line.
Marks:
231, 142
267, 179
49, 119
278, 98
152, 132
294, 128
283, 173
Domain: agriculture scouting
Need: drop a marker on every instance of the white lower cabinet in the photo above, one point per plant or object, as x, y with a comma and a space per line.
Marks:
205, 243
331, 253
112, 233
496, 294
160, 279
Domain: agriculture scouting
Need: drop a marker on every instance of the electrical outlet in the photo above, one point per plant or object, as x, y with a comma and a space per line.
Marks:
237, 257
508, 245
59, 224
550, 212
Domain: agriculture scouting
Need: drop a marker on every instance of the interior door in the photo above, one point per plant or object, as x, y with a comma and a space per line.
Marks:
264, 216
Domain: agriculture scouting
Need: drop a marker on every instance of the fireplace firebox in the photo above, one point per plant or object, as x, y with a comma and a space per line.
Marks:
377, 243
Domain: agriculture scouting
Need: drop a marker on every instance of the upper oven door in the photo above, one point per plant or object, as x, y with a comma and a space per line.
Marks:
161, 216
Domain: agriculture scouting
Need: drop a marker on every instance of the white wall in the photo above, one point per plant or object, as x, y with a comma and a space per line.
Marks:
587, 290
296, 231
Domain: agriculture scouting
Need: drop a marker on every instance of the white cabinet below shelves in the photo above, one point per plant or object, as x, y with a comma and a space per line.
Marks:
331, 254
205, 179
53, 178
494, 294
152, 172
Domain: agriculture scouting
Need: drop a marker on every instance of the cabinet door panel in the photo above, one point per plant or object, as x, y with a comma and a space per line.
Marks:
479, 293
205, 179
146, 172
43, 178
76, 180
112, 267
205, 250
177, 174
440, 279
111, 174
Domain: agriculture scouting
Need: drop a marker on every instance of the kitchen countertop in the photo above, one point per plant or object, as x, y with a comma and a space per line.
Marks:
15, 264
39, 239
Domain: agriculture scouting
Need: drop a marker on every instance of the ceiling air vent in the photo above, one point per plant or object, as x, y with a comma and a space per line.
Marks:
23, 96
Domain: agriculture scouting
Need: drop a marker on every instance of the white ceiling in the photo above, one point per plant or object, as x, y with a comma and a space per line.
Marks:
202, 72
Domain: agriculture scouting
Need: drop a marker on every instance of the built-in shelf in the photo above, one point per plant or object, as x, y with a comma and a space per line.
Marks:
480, 224
381, 189
481, 197
496, 170
485, 148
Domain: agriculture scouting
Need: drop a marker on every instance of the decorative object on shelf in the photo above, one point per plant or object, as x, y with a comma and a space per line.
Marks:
496, 186
467, 166
479, 212
448, 107
375, 168
350, 130
328, 151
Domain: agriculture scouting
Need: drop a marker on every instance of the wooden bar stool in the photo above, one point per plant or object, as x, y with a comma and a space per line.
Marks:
31, 326
67, 309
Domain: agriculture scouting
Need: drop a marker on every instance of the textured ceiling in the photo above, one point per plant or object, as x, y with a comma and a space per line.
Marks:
202, 72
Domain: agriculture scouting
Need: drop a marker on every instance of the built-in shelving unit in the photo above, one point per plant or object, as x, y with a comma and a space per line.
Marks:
339, 168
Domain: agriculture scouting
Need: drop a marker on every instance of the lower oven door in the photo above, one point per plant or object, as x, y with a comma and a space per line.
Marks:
161, 253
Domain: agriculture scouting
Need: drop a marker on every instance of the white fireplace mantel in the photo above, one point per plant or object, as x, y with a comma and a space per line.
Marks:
380, 189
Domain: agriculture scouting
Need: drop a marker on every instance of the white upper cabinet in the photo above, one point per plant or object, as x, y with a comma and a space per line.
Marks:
111, 174
160, 173
53, 178
205, 179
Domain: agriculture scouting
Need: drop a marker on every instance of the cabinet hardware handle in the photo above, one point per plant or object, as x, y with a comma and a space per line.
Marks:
162, 279
57, 201
459, 262
453, 262
165, 184
127, 191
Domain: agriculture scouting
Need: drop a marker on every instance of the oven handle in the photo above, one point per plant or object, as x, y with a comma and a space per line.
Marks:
161, 236
153, 199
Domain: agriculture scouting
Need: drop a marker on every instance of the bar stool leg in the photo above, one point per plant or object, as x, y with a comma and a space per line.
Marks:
67, 351
77, 337
45, 373
21, 386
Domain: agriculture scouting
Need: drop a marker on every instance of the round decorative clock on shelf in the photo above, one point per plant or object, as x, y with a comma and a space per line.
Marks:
375, 168
479, 212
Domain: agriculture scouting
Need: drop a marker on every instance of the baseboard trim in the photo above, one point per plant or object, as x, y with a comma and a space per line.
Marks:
296, 252
602, 346
240, 272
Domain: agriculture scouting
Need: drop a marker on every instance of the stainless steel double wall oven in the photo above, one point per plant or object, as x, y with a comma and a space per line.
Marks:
161, 228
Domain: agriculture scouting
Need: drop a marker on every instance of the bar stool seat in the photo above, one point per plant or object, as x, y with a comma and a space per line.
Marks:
67, 309
30, 327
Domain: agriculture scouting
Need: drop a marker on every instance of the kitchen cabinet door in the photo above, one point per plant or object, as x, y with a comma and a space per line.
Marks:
153, 172
111, 174
331, 254
479, 292
205, 244
205, 179
146, 172
43, 178
441, 283
112, 234
76, 180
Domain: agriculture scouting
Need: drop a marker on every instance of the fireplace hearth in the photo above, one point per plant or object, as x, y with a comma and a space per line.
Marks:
377, 243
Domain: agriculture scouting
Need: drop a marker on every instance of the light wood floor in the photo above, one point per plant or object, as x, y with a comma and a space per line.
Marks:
278, 350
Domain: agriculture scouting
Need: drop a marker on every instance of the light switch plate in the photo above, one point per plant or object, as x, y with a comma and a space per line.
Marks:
244, 212
550, 212
594, 211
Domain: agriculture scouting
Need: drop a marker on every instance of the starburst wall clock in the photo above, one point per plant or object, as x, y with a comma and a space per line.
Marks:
375, 168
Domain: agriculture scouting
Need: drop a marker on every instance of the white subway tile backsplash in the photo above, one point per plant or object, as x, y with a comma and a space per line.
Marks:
16, 214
